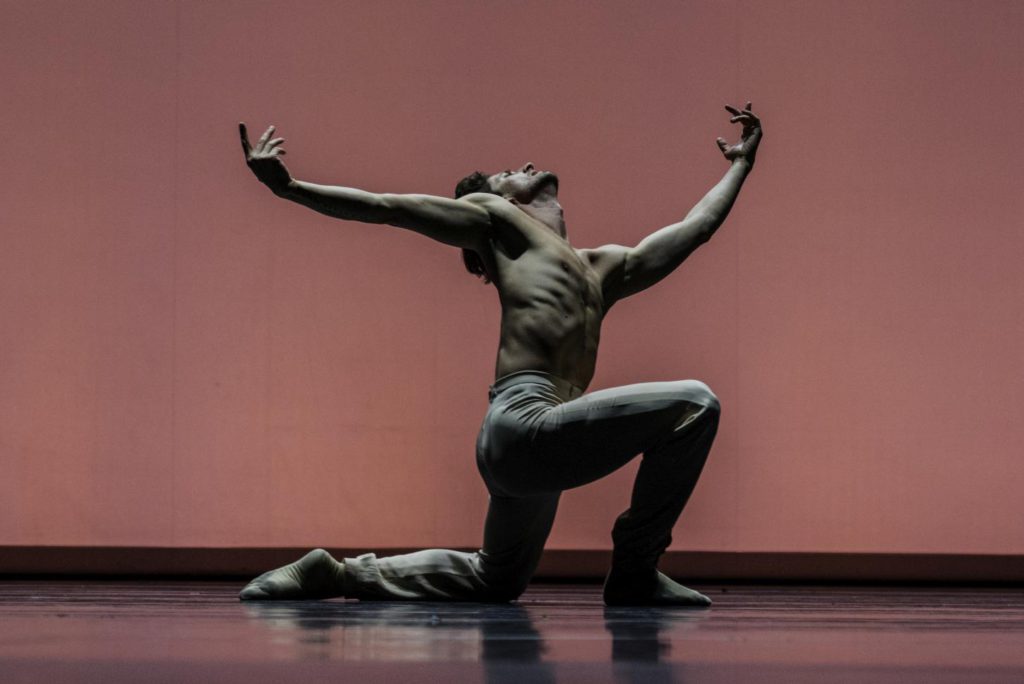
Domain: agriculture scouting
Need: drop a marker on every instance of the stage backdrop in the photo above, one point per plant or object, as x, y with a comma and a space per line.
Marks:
188, 361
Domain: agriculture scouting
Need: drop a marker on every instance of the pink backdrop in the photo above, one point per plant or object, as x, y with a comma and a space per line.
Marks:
186, 360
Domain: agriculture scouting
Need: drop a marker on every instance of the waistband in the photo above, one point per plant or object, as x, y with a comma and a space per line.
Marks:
563, 388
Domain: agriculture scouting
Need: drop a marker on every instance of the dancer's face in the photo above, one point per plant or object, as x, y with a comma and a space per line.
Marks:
524, 183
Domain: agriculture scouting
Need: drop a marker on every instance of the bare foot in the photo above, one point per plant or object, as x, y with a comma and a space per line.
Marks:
314, 576
630, 590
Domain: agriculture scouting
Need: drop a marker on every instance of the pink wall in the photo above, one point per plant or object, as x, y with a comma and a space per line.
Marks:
186, 360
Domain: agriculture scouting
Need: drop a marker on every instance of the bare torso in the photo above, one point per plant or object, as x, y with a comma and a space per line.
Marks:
551, 300
553, 296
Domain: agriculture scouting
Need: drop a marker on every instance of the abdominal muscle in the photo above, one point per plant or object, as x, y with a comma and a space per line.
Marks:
551, 303
541, 338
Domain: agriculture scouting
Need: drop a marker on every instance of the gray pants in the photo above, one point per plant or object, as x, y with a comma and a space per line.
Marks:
542, 436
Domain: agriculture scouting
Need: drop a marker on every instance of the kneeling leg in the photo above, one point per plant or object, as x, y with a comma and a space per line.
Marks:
514, 536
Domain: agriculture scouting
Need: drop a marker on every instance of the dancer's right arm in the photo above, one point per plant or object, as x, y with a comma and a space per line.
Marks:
454, 222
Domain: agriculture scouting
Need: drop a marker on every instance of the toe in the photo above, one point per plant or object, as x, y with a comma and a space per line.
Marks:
253, 592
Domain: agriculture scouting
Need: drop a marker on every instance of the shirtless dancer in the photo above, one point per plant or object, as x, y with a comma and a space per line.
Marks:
541, 434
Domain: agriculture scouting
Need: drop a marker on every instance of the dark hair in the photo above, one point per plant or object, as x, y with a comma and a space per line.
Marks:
474, 182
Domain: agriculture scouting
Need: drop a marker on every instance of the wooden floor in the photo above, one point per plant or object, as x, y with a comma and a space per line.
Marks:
194, 632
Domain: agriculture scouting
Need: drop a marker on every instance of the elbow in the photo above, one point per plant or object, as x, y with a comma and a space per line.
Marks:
385, 202
382, 208
704, 228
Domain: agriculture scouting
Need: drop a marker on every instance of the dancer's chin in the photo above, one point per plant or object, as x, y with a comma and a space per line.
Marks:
548, 178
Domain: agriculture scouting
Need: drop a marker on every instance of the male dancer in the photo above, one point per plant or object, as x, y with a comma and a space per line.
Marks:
541, 434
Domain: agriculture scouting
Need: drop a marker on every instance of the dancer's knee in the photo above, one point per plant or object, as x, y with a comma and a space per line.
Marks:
503, 588
697, 392
505, 579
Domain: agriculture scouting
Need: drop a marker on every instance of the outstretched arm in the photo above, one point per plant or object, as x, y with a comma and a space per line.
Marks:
628, 270
455, 222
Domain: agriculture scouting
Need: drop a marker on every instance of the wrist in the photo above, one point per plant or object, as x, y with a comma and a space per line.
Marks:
287, 189
744, 163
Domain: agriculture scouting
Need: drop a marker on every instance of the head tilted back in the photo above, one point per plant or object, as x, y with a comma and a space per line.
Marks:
474, 182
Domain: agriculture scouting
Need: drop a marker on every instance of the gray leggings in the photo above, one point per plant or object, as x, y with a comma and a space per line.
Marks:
541, 436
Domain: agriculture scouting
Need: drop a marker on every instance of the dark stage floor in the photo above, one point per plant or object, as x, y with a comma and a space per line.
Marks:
193, 632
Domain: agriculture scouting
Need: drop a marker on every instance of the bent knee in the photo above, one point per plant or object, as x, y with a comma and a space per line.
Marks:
697, 392
505, 589
503, 583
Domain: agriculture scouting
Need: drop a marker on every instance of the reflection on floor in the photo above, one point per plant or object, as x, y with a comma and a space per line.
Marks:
189, 631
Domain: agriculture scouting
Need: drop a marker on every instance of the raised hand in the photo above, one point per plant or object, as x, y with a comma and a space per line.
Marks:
750, 138
265, 161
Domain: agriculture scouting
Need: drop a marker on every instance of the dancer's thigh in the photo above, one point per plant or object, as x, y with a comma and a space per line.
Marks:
589, 437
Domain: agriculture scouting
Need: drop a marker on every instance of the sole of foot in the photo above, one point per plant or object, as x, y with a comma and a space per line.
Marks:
314, 576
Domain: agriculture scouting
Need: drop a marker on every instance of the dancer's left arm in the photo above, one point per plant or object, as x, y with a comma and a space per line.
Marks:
627, 270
